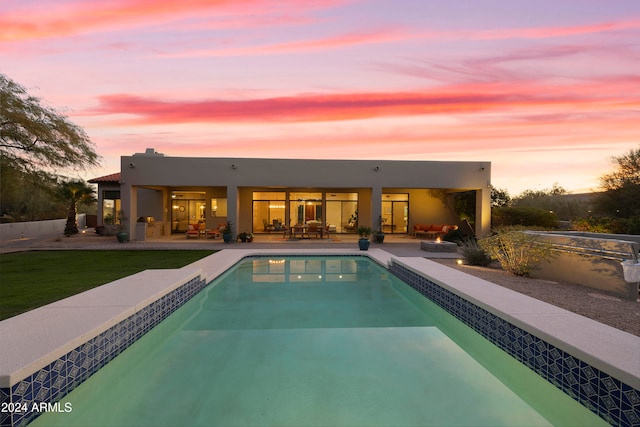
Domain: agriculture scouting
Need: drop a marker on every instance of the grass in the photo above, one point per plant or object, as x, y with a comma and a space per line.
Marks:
32, 279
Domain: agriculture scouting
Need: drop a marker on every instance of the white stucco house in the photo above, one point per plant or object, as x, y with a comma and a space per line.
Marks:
265, 195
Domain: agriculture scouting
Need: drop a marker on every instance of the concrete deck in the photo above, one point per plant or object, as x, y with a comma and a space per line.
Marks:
400, 245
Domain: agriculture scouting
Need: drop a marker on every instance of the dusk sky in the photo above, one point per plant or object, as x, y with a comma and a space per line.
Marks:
546, 90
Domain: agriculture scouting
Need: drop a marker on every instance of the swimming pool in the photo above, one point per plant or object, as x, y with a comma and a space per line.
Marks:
315, 341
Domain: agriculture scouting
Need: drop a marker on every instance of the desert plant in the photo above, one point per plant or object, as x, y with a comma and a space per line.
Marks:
122, 220
518, 252
228, 228
473, 254
363, 231
455, 236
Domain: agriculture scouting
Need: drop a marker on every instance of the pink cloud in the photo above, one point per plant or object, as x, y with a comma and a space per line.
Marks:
549, 32
339, 41
77, 17
531, 98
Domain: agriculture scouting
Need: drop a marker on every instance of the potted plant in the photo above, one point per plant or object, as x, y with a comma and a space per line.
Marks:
245, 237
363, 241
110, 227
379, 234
122, 235
227, 232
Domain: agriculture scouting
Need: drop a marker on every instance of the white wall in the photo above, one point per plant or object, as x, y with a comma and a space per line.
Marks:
368, 176
31, 229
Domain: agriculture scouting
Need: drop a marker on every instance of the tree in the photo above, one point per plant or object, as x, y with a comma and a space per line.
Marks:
28, 196
538, 198
499, 197
36, 144
35, 137
627, 171
621, 195
552, 200
75, 192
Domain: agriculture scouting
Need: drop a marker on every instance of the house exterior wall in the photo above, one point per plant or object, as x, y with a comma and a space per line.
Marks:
240, 176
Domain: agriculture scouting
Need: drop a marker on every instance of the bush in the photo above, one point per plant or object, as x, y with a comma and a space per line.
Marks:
473, 254
455, 236
608, 225
518, 252
523, 216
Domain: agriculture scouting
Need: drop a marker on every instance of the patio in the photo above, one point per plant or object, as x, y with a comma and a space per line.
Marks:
399, 245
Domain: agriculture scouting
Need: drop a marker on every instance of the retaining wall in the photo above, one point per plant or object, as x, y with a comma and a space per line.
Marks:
590, 261
31, 229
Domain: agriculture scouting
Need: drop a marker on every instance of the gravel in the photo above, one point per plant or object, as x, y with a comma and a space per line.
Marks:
592, 303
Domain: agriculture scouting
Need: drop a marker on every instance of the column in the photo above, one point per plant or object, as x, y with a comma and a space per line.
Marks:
483, 212
232, 207
376, 207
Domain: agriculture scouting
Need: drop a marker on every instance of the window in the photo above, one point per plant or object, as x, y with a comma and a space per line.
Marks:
305, 208
187, 207
219, 207
110, 207
268, 210
342, 212
395, 213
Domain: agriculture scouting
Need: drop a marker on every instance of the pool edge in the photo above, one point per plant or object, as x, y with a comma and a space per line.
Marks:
530, 335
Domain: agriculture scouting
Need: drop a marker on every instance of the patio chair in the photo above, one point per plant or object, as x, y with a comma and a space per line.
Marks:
267, 227
193, 232
314, 229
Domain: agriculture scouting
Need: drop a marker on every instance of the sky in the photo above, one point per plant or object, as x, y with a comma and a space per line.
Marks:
548, 91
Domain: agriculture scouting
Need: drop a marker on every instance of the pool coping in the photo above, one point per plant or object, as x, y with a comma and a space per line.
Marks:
35, 340
610, 350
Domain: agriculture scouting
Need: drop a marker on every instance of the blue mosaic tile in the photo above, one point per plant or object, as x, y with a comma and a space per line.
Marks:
56, 380
612, 400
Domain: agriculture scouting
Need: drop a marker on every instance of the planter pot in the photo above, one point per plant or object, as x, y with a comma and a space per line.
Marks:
227, 237
379, 237
363, 244
631, 271
122, 236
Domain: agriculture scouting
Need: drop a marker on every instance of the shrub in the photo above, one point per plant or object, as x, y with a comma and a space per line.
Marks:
455, 236
607, 224
523, 216
473, 254
518, 252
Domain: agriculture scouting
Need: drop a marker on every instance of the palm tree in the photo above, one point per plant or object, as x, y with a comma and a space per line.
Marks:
75, 192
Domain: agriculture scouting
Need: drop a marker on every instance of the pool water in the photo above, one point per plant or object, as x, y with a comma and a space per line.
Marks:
315, 341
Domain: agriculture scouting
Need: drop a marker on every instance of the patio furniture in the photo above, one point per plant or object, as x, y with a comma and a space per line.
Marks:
298, 230
432, 231
192, 231
267, 227
212, 233
315, 230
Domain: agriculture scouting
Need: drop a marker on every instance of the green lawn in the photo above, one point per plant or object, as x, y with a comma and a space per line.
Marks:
32, 279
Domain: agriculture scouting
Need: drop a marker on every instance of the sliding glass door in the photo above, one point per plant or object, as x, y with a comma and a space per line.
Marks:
268, 210
395, 213
342, 212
